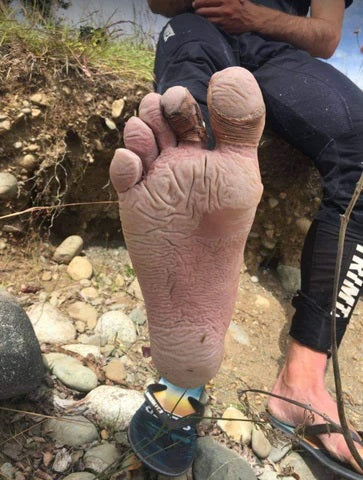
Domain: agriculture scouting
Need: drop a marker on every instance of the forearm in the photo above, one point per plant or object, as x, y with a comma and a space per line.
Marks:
169, 8
315, 35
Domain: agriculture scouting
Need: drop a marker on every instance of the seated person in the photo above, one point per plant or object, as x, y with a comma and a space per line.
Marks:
187, 209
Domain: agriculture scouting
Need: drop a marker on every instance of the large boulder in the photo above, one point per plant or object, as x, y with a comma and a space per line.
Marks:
21, 366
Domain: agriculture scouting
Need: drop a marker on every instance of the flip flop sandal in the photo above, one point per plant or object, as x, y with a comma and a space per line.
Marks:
162, 440
308, 440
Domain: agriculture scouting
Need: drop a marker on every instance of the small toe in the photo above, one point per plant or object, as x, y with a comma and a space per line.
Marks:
151, 113
139, 138
184, 115
125, 170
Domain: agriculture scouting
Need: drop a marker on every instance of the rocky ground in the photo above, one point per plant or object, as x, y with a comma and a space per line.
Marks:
87, 311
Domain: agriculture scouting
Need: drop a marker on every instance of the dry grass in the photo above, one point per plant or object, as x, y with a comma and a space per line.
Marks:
129, 58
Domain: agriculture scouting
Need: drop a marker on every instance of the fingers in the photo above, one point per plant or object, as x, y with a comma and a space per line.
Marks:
184, 115
139, 138
236, 107
125, 170
150, 112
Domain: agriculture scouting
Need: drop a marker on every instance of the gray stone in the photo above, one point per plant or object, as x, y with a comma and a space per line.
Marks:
50, 325
71, 372
62, 461
7, 470
278, 452
68, 249
216, 462
99, 458
289, 277
238, 334
185, 476
113, 406
270, 475
80, 476
21, 366
116, 325
8, 186
138, 316
71, 431
306, 466
260, 444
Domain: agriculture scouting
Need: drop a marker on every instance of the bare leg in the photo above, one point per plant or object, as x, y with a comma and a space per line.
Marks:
302, 379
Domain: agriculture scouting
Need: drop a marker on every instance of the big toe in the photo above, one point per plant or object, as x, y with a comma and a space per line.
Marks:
236, 107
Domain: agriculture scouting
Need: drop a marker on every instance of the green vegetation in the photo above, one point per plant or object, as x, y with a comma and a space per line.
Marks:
130, 59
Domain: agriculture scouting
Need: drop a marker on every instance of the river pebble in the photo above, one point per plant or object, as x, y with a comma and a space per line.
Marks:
135, 290
80, 268
117, 108
303, 225
7, 471
62, 461
115, 371
138, 316
84, 312
40, 99
114, 406
84, 350
238, 333
278, 452
8, 186
240, 430
72, 431
309, 469
50, 324
289, 277
80, 476
89, 293
214, 461
71, 372
68, 249
21, 367
116, 326
101, 457
260, 444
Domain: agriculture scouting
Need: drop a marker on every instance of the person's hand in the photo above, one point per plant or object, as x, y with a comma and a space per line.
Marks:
233, 16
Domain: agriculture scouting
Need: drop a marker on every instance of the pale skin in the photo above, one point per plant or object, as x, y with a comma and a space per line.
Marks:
191, 355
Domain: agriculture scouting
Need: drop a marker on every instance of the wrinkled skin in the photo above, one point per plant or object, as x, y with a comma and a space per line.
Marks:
186, 213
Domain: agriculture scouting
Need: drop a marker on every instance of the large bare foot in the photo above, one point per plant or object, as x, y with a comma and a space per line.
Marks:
302, 379
186, 213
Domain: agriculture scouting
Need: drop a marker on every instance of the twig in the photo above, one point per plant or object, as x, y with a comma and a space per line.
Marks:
344, 220
54, 207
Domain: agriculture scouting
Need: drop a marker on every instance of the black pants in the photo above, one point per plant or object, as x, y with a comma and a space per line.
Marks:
315, 108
